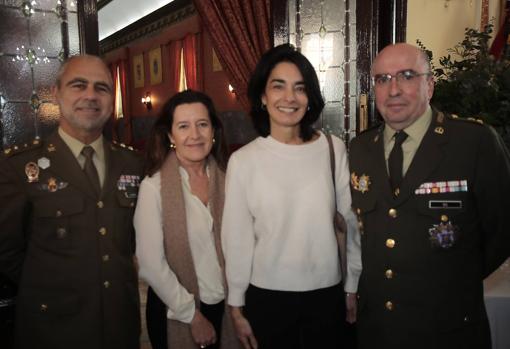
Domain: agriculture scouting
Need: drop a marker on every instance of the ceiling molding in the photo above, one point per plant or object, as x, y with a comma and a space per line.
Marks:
166, 16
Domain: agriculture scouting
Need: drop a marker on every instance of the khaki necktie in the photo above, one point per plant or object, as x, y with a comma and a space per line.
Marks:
90, 169
395, 162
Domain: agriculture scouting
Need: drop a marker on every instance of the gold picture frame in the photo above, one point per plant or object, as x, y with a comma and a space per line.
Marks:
156, 67
138, 71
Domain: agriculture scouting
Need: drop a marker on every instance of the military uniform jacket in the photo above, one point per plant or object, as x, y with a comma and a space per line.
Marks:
69, 251
426, 251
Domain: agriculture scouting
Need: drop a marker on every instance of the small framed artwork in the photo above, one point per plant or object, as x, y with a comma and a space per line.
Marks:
138, 71
155, 65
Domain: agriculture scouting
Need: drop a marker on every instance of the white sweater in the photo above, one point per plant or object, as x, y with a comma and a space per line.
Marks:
277, 228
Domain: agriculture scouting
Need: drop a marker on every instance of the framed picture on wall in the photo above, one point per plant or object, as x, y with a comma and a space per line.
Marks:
138, 71
155, 66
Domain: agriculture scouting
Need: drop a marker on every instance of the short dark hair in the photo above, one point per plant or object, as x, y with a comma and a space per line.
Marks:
63, 67
158, 144
258, 81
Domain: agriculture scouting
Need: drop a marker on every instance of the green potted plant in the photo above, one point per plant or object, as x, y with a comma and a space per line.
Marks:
470, 82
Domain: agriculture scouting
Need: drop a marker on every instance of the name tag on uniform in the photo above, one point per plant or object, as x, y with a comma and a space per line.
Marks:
442, 204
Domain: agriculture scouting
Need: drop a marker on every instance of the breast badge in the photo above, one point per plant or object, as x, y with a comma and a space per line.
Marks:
52, 185
32, 172
360, 183
43, 163
443, 235
129, 185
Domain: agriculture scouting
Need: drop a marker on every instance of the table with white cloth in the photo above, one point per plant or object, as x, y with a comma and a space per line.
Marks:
497, 302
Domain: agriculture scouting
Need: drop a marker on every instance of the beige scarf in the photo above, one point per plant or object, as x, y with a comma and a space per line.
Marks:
178, 251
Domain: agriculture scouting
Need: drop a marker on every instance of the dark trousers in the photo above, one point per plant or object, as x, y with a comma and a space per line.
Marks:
155, 314
7, 311
156, 320
306, 320
214, 313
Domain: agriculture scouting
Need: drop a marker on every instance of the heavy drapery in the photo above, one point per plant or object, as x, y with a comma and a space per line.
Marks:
240, 32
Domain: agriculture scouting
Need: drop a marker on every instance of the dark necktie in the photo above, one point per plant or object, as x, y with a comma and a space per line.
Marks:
395, 161
90, 169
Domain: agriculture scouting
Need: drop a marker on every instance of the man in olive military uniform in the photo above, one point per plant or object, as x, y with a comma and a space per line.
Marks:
66, 234
432, 194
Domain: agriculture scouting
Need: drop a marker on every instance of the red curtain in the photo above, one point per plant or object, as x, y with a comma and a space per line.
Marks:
126, 136
174, 54
113, 121
239, 31
502, 39
192, 61
123, 71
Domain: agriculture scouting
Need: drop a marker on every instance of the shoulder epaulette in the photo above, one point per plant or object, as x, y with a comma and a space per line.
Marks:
20, 148
379, 126
470, 120
116, 146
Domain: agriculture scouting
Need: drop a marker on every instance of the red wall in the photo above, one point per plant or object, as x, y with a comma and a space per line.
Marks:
215, 83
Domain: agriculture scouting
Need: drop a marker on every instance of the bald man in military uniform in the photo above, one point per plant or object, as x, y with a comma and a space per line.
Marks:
66, 234
432, 194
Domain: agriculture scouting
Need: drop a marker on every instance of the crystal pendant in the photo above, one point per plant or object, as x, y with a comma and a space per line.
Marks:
322, 31
35, 102
59, 10
31, 56
323, 65
26, 8
300, 34
61, 55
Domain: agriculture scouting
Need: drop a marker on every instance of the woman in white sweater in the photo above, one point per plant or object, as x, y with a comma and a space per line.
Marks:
282, 261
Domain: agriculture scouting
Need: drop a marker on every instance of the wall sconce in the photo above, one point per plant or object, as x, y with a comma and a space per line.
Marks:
147, 101
231, 89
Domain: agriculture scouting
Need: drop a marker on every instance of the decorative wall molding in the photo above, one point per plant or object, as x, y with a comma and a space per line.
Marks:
166, 16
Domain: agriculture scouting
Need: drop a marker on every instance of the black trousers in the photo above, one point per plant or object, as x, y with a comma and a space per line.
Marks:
306, 320
156, 320
7, 311
214, 313
155, 314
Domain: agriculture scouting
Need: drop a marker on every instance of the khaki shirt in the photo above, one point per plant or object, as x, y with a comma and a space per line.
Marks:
76, 147
415, 133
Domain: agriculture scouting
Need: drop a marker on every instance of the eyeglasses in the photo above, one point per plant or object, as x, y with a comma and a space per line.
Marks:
404, 78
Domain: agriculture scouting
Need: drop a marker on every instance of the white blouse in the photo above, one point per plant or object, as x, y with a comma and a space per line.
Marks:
150, 250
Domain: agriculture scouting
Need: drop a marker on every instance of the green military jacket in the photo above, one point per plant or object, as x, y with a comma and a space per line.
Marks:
69, 251
426, 251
